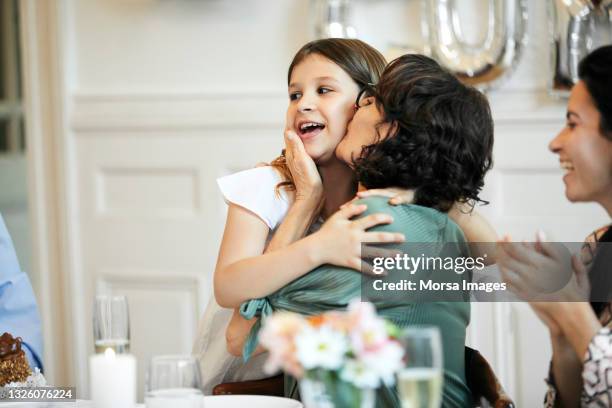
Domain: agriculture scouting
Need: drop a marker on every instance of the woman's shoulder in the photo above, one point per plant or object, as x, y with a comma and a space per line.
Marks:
427, 222
378, 204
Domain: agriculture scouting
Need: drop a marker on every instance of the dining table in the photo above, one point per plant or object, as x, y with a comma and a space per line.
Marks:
217, 401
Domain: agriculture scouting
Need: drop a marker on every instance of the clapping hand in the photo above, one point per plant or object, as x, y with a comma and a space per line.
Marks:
542, 271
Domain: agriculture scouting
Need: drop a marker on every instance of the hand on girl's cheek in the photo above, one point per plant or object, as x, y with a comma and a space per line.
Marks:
289, 121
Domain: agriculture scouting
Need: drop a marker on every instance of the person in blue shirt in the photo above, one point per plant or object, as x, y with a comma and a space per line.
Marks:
18, 309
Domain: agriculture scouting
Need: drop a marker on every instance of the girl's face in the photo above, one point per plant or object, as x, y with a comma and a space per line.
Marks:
585, 155
321, 102
362, 131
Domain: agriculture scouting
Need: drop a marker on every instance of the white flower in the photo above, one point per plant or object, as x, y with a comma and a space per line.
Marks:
321, 347
357, 373
368, 331
385, 361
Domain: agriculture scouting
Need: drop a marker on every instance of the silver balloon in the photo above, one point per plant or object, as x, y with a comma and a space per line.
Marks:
332, 19
484, 64
577, 28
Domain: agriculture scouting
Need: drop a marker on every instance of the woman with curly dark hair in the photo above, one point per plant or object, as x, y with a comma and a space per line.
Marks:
423, 130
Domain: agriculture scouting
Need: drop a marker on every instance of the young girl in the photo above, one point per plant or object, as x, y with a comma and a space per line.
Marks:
324, 79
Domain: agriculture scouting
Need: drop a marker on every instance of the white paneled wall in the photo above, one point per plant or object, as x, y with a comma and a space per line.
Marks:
164, 96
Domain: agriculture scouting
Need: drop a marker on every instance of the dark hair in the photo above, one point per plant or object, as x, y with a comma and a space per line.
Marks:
362, 62
596, 71
441, 135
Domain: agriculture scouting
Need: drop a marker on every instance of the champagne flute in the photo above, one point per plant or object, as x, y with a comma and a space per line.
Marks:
111, 323
420, 381
173, 381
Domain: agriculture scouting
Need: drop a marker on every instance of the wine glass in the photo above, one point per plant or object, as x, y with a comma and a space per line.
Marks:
111, 323
173, 381
420, 381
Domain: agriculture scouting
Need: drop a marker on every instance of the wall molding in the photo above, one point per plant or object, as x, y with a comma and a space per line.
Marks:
176, 111
54, 239
98, 111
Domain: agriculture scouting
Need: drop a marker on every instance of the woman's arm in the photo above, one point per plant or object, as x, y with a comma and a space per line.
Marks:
236, 334
578, 324
567, 372
480, 234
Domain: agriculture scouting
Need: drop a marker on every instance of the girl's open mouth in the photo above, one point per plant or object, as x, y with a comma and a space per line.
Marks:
308, 130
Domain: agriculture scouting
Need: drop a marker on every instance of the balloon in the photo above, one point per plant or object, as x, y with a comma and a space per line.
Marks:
332, 19
577, 28
486, 64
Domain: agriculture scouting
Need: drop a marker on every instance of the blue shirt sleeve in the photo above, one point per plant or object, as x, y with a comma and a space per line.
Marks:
18, 309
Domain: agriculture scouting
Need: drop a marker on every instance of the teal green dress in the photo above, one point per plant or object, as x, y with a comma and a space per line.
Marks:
330, 288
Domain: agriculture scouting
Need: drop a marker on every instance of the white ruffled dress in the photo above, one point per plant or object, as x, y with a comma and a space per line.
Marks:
254, 190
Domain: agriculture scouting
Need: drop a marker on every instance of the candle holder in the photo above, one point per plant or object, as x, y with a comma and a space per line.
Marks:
174, 380
111, 324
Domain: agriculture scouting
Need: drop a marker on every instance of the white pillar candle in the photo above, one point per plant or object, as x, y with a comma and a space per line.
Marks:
112, 380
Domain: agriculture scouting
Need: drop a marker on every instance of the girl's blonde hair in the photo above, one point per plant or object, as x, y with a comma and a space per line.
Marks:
362, 62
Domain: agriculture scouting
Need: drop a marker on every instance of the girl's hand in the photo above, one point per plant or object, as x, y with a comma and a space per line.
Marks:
306, 177
339, 239
396, 196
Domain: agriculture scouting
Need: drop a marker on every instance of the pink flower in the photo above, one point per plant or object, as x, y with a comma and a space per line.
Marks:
384, 361
369, 332
278, 337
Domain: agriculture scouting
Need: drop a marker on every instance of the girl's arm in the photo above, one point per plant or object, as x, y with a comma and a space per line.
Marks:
242, 272
308, 194
294, 226
300, 216
240, 275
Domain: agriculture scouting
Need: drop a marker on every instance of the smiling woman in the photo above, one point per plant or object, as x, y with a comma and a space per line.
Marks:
584, 147
581, 346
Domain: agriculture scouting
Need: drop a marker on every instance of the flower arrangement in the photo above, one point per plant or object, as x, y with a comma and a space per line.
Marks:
346, 352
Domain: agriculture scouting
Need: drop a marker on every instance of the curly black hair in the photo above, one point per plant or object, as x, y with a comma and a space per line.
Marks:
440, 140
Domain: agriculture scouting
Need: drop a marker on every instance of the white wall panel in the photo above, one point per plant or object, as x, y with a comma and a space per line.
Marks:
136, 191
